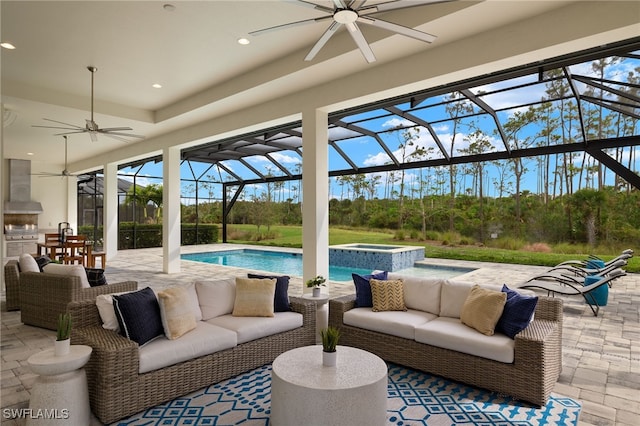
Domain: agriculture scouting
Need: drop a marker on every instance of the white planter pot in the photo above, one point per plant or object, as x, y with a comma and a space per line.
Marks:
61, 347
329, 358
316, 292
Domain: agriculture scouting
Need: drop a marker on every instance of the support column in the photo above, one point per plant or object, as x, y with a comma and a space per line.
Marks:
171, 210
110, 210
315, 193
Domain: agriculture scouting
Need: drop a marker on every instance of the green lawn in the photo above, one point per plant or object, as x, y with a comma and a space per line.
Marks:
291, 236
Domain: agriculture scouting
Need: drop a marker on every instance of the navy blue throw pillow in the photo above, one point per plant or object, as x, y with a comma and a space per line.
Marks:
517, 312
95, 276
281, 296
363, 288
43, 261
138, 315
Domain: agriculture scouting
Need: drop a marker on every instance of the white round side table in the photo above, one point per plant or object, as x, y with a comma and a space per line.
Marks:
304, 392
322, 312
60, 395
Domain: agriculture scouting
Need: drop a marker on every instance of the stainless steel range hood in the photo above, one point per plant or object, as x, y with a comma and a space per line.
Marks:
20, 189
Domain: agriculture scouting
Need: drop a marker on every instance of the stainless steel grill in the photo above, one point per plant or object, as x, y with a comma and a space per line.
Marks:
20, 232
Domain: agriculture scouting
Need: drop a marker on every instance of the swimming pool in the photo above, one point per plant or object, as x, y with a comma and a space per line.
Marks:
291, 264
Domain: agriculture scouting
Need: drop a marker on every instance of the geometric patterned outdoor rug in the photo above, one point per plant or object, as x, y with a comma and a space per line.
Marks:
414, 398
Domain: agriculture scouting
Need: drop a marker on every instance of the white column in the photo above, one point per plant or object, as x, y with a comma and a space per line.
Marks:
72, 203
315, 190
110, 210
171, 210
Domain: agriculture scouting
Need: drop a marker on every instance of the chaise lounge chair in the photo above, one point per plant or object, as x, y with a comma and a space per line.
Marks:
626, 254
577, 274
567, 285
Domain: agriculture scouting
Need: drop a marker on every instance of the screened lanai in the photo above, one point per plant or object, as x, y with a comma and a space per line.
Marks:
578, 110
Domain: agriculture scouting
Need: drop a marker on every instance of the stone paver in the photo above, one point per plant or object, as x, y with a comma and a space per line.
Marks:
601, 355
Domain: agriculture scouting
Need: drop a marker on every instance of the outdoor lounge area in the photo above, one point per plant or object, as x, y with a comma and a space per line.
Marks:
600, 354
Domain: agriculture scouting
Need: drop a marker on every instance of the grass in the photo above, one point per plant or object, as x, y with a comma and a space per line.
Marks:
291, 236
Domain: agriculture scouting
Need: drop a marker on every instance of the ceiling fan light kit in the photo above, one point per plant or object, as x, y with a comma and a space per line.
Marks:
91, 127
349, 14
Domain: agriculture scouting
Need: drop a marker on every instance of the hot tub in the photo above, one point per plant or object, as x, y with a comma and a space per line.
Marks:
375, 256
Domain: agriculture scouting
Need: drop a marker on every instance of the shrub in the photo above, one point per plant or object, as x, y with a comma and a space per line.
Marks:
537, 248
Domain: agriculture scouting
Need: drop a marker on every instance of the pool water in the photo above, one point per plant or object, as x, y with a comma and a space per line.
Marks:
291, 264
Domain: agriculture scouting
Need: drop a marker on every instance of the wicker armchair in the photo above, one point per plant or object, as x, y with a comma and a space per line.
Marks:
12, 285
44, 296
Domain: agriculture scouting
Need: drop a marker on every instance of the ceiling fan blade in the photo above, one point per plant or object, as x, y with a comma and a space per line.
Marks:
339, 4
71, 133
130, 135
118, 136
323, 40
312, 5
390, 26
93, 136
397, 4
289, 25
115, 129
57, 127
364, 47
60, 122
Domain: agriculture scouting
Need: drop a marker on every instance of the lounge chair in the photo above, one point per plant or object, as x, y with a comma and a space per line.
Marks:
567, 285
577, 274
626, 254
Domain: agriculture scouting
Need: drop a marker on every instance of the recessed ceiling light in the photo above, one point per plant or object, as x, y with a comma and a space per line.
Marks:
7, 45
29, 153
243, 41
169, 7
156, 86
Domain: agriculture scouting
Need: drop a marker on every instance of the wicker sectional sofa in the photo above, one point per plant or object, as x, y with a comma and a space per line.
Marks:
118, 388
529, 375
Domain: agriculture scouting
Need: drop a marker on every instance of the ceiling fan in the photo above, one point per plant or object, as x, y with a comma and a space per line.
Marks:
91, 126
65, 172
352, 12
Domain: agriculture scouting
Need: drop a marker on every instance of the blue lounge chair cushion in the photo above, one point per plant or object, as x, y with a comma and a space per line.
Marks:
517, 313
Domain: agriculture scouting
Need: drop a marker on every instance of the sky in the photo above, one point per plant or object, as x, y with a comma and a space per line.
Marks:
366, 152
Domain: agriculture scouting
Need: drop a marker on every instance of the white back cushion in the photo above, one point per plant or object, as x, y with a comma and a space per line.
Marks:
28, 263
421, 294
68, 270
216, 297
452, 297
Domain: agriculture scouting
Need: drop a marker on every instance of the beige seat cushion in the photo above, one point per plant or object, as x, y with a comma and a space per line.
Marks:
252, 328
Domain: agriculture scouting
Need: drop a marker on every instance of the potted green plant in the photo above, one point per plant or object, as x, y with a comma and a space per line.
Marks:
63, 335
330, 337
315, 283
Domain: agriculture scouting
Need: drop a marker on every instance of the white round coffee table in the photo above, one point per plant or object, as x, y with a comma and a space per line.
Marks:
304, 392
61, 389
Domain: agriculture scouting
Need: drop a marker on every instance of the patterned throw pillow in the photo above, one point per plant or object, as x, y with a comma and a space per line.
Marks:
363, 288
387, 295
482, 309
95, 276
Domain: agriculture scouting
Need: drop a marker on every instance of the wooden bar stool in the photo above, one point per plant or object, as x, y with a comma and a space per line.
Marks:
91, 259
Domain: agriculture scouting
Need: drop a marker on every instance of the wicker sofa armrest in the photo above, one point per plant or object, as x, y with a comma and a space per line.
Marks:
338, 306
12, 285
308, 310
549, 309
